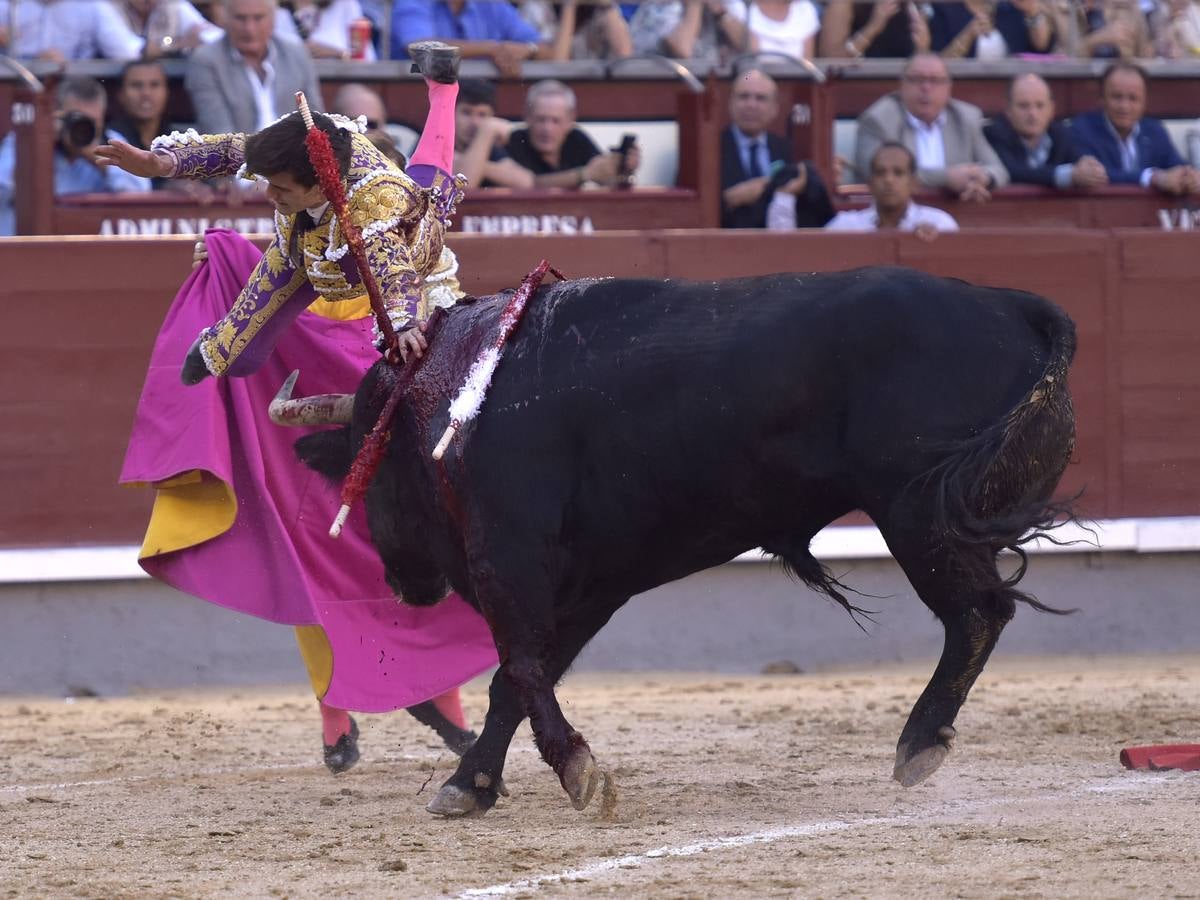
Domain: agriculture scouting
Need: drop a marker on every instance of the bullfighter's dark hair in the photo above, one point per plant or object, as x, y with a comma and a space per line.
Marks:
141, 64
476, 92
280, 148
896, 145
1124, 65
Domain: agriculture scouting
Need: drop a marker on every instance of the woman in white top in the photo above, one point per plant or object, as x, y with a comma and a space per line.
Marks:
783, 26
323, 26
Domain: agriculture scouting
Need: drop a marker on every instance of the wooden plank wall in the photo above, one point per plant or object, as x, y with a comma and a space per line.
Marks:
81, 315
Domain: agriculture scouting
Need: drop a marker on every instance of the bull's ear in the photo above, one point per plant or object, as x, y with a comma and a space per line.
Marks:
327, 453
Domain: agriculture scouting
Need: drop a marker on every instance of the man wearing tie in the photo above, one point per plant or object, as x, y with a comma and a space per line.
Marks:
750, 156
1133, 149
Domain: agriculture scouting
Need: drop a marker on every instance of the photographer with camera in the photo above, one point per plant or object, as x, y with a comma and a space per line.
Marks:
80, 115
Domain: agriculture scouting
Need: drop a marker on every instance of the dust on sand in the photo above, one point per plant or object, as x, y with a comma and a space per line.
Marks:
752, 786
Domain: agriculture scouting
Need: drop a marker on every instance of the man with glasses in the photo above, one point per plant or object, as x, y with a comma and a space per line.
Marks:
945, 135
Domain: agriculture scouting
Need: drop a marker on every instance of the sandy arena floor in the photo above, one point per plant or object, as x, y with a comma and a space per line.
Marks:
766, 786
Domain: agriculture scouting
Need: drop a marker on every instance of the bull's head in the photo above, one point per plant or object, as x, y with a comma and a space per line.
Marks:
400, 536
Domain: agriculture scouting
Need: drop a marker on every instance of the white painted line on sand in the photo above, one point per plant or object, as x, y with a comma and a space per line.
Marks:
1134, 781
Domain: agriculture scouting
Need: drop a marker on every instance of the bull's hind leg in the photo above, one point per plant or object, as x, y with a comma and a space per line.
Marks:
960, 589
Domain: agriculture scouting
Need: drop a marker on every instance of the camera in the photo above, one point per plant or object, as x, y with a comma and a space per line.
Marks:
76, 130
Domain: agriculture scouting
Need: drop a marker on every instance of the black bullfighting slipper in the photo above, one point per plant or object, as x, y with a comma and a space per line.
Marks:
458, 740
344, 754
435, 60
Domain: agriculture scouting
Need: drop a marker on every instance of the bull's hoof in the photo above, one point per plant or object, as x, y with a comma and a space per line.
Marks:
454, 802
914, 769
580, 777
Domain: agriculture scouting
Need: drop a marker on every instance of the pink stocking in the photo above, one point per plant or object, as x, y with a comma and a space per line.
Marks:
449, 705
334, 723
435, 149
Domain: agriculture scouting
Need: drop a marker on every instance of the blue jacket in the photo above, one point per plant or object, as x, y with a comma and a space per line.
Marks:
1093, 135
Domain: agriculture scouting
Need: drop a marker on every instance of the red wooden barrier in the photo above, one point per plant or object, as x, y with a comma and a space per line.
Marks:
81, 315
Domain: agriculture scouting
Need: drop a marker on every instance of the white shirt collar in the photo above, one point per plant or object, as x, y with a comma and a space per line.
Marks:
918, 125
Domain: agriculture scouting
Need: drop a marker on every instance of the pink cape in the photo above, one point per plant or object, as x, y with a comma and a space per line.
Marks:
277, 561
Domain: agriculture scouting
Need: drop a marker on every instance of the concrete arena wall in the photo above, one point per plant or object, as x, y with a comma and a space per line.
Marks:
124, 636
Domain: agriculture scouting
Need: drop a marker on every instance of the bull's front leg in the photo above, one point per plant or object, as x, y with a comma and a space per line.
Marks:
524, 687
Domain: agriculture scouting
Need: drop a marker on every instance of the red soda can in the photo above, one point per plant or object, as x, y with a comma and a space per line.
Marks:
360, 38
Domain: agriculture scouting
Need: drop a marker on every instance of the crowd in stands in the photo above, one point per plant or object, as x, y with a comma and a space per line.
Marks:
245, 59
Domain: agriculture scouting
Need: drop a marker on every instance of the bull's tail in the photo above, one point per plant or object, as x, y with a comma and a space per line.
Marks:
995, 488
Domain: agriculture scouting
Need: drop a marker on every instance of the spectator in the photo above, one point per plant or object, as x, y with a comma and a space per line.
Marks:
892, 181
249, 78
479, 139
1180, 35
80, 114
357, 101
1033, 147
753, 162
1105, 29
984, 29
479, 28
169, 27
323, 26
945, 135
880, 29
557, 152
707, 30
1133, 149
61, 30
788, 27
597, 31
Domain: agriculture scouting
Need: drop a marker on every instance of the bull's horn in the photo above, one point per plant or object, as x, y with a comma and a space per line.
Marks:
320, 409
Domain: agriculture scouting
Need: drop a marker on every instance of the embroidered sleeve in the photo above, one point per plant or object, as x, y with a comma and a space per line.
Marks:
195, 155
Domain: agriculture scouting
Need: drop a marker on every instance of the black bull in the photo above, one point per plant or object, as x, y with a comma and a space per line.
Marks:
637, 431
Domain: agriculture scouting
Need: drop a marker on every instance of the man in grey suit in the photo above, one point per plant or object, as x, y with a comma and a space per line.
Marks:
945, 135
249, 78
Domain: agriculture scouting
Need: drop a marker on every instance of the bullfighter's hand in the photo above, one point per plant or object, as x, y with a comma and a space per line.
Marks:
199, 253
410, 343
133, 160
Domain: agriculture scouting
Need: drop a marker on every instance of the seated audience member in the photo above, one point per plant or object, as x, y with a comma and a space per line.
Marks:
785, 26
983, 29
481, 29
558, 153
66, 30
1105, 29
357, 101
1180, 33
248, 79
480, 137
1033, 147
80, 115
755, 162
1132, 148
707, 30
887, 29
945, 135
580, 31
323, 26
169, 27
141, 116
892, 181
